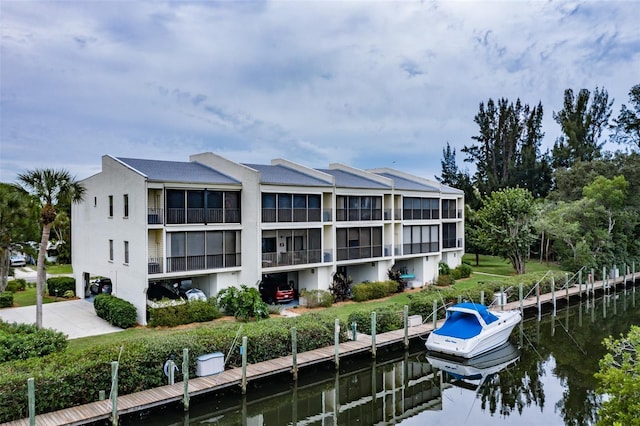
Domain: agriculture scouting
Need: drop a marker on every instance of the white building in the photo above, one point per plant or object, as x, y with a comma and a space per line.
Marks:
219, 223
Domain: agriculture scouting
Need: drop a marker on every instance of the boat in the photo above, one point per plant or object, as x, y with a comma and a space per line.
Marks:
471, 373
470, 329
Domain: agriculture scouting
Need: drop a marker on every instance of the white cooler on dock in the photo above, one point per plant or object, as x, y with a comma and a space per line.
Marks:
209, 364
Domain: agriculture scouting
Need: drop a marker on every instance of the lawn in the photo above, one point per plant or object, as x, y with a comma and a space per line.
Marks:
63, 269
28, 298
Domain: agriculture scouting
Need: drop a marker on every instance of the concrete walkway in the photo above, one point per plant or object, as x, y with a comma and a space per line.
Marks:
75, 318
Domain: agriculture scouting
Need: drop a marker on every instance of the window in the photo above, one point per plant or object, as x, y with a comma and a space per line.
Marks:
111, 250
358, 243
420, 239
125, 200
126, 252
420, 208
110, 205
95, 201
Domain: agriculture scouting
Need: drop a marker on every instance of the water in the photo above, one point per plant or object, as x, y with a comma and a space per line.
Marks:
545, 377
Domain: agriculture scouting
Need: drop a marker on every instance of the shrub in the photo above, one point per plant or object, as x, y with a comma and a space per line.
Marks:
23, 341
373, 290
6, 299
461, 271
443, 268
244, 304
19, 284
316, 298
185, 313
58, 286
444, 280
340, 288
388, 318
116, 311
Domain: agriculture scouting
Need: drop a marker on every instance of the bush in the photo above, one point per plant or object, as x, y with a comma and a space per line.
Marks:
244, 304
68, 379
461, 271
186, 313
116, 311
317, 298
23, 341
388, 318
16, 285
373, 290
6, 299
340, 288
443, 268
444, 280
58, 286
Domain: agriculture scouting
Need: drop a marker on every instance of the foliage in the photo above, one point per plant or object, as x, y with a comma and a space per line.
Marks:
461, 271
22, 341
6, 299
185, 313
114, 310
581, 124
373, 290
452, 176
627, 125
506, 221
16, 285
388, 318
317, 298
340, 288
244, 303
57, 286
443, 268
72, 378
444, 280
619, 376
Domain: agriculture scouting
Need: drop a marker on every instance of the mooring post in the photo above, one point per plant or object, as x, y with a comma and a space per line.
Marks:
459, 298
243, 348
435, 314
624, 275
580, 283
502, 298
373, 334
566, 286
185, 378
31, 392
520, 295
102, 395
538, 298
336, 342
553, 295
406, 326
482, 297
171, 369
605, 282
294, 352
114, 393
593, 280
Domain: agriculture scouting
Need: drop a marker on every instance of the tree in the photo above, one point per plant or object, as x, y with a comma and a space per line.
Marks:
452, 176
507, 150
627, 126
52, 188
506, 222
619, 376
581, 124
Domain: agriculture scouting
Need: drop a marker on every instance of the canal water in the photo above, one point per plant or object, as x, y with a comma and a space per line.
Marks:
543, 376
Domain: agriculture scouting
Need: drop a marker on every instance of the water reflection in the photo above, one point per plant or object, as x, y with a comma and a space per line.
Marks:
545, 375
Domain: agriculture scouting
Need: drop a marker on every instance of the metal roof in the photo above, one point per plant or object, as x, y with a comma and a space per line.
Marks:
411, 185
177, 171
280, 175
349, 180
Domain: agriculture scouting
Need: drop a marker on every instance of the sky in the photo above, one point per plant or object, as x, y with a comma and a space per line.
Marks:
368, 84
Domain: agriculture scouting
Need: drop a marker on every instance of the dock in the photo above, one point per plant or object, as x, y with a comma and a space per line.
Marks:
169, 394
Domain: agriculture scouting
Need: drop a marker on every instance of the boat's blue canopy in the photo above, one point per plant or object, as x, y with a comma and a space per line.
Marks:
463, 325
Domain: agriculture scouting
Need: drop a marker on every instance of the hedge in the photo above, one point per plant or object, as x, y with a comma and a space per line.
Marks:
185, 313
317, 298
19, 284
67, 379
22, 341
373, 290
116, 311
6, 299
388, 318
57, 286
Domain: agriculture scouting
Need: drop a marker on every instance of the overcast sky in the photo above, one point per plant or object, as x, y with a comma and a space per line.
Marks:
363, 83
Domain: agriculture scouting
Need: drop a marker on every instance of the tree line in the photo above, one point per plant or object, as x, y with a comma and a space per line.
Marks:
575, 203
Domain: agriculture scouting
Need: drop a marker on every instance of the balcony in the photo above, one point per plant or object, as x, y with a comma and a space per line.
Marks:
417, 248
357, 215
360, 252
449, 243
302, 257
196, 263
199, 215
155, 265
291, 215
155, 216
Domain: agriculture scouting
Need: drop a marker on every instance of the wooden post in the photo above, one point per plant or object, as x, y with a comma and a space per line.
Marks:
102, 395
580, 283
243, 348
566, 286
605, 282
373, 334
294, 352
435, 314
624, 275
336, 342
502, 298
482, 297
406, 326
114, 393
185, 378
31, 392
553, 294
172, 368
538, 298
459, 298
520, 296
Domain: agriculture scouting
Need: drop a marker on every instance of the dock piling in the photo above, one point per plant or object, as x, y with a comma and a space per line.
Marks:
373, 334
294, 352
31, 390
244, 365
336, 341
406, 326
185, 378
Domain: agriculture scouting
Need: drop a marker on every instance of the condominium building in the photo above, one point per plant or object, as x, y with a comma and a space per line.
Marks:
217, 223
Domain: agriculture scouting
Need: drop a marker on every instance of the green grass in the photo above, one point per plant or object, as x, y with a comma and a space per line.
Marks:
28, 298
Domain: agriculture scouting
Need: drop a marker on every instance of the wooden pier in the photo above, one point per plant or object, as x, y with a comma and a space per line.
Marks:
144, 400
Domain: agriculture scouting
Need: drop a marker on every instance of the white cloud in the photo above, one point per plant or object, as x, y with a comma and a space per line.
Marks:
365, 82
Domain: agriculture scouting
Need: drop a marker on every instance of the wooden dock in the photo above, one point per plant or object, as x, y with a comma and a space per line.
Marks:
144, 400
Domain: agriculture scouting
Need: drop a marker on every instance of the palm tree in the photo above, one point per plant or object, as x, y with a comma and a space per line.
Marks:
53, 189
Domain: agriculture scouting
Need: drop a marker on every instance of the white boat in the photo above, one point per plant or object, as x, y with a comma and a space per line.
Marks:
472, 373
471, 329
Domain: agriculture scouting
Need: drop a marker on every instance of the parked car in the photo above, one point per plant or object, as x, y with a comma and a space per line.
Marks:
276, 292
101, 285
17, 260
196, 294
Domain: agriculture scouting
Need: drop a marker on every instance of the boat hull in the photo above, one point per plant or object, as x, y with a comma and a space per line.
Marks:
490, 337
